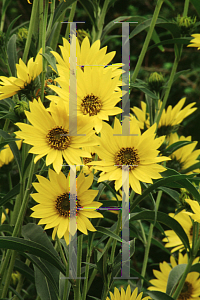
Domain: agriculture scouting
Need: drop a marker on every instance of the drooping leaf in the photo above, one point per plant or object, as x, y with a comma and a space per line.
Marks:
36, 249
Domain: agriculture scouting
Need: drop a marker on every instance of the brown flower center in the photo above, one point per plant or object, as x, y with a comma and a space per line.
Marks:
57, 138
127, 156
186, 291
62, 205
91, 105
87, 159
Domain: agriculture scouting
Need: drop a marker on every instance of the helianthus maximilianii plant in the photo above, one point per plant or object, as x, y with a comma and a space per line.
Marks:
24, 82
49, 135
138, 151
54, 203
126, 295
191, 288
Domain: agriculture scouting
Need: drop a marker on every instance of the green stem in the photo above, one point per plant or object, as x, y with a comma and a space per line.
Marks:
44, 63
147, 40
148, 244
112, 256
88, 256
16, 232
56, 31
71, 18
170, 82
186, 6
77, 292
100, 21
49, 28
32, 24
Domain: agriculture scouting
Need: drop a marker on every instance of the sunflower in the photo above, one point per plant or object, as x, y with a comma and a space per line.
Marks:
138, 151
96, 94
54, 203
172, 239
6, 155
185, 156
24, 83
195, 42
49, 135
126, 295
191, 288
170, 118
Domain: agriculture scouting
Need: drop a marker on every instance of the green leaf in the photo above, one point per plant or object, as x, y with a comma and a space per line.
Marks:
175, 146
196, 4
6, 228
155, 37
179, 41
10, 195
109, 233
88, 7
60, 9
50, 58
174, 277
36, 249
44, 280
195, 268
172, 180
23, 269
12, 53
156, 295
10, 27
46, 275
167, 220
191, 168
172, 193
158, 244
116, 24
144, 89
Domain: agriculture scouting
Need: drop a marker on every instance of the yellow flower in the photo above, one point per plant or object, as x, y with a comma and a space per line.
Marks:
86, 169
54, 203
172, 239
3, 216
138, 151
185, 156
195, 42
23, 84
126, 295
196, 209
191, 288
170, 118
96, 94
49, 135
86, 55
6, 155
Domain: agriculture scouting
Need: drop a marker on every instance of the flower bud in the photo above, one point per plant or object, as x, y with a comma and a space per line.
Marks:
155, 81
